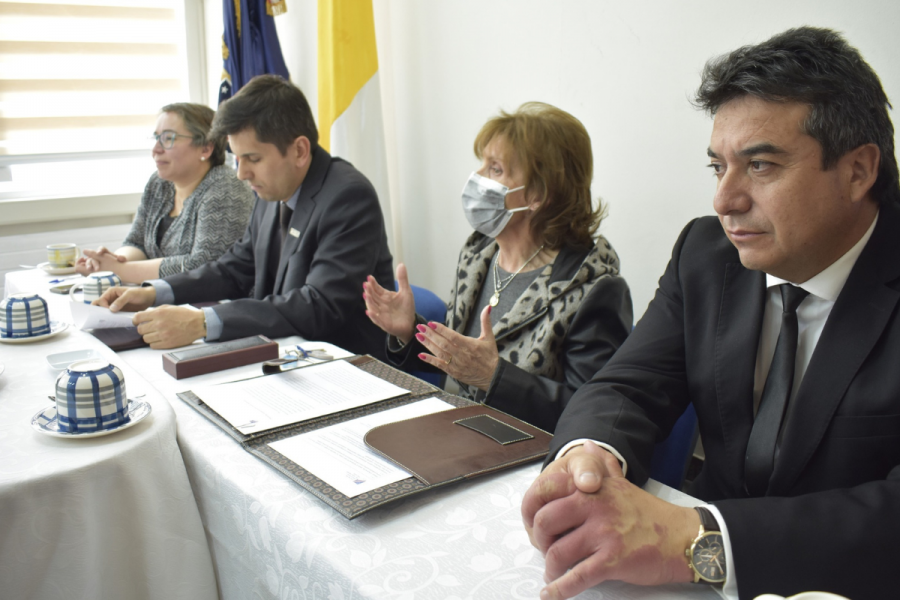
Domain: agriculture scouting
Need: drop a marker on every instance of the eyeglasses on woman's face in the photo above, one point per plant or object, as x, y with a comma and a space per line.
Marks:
167, 138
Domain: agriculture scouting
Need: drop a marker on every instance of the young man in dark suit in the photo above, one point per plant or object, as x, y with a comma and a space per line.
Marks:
779, 323
316, 231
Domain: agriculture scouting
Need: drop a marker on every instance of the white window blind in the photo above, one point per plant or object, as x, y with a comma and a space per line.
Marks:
81, 76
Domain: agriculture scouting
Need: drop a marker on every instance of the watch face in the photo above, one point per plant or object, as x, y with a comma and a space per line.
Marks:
708, 557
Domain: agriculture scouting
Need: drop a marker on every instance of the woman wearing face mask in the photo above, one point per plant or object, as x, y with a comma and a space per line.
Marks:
537, 306
193, 208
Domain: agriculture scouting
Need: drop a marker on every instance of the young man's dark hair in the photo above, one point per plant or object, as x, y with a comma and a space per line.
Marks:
276, 109
848, 106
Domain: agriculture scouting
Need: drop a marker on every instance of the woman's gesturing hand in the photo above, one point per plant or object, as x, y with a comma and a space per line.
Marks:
394, 312
468, 360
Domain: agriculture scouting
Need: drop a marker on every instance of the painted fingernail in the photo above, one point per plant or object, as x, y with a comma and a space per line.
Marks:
422, 356
421, 328
489, 309
432, 324
420, 337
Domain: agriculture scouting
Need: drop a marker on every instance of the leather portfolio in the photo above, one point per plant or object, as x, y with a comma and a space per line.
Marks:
120, 338
459, 444
518, 442
210, 358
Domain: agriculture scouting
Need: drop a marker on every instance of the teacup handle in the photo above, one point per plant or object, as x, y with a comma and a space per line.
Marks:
75, 286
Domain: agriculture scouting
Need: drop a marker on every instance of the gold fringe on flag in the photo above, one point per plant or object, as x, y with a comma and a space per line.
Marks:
276, 7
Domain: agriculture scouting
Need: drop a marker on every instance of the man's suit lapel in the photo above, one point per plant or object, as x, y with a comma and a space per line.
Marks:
303, 212
854, 326
266, 249
737, 340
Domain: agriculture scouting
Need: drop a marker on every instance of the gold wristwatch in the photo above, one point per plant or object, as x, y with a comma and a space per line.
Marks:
706, 555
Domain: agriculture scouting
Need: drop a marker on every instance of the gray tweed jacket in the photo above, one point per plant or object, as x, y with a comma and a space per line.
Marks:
212, 219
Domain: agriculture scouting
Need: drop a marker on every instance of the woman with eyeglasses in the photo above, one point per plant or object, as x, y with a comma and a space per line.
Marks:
193, 208
537, 306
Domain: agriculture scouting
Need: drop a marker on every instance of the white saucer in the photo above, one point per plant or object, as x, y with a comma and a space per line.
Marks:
55, 328
62, 360
45, 421
45, 266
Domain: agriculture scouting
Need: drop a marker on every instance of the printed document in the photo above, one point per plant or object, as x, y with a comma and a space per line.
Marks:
87, 316
338, 454
259, 404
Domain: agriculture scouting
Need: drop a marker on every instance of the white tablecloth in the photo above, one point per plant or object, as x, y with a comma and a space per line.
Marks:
272, 539
108, 517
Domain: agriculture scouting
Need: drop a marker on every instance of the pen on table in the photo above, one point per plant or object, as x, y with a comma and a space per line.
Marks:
61, 279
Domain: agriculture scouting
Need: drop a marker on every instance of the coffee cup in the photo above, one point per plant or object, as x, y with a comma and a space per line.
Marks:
61, 256
24, 316
90, 396
94, 285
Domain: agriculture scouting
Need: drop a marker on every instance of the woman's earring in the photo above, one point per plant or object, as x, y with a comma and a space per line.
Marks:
202, 158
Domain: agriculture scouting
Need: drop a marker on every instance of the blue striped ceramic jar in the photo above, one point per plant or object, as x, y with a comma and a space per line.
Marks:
24, 316
97, 283
90, 396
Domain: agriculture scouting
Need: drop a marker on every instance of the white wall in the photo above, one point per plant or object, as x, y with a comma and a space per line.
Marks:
626, 69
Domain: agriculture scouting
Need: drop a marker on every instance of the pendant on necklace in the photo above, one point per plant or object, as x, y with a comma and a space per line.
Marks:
495, 299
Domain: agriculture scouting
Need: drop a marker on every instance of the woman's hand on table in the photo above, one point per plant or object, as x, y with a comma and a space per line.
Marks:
393, 312
101, 259
468, 360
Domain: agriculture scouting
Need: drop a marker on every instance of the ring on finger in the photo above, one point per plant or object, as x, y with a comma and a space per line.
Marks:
449, 360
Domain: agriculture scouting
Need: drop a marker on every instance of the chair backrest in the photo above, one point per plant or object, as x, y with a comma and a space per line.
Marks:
672, 456
430, 306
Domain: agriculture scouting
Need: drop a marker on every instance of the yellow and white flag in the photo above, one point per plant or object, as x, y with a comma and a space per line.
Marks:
350, 114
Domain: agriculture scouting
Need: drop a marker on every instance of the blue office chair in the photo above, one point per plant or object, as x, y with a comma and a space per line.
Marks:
672, 456
430, 306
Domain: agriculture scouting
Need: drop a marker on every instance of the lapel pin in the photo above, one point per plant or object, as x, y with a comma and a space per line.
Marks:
295, 233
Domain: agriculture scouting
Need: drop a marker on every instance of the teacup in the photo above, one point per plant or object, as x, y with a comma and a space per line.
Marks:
24, 316
90, 396
60, 256
95, 285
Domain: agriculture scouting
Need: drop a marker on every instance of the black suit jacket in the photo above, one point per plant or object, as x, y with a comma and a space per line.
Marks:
831, 520
313, 286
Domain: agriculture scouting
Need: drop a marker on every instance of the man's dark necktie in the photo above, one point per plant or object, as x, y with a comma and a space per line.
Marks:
285, 217
760, 460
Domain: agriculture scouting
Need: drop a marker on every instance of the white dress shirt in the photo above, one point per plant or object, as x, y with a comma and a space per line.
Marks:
812, 314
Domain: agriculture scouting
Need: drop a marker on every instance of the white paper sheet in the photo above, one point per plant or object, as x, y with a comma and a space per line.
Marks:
88, 316
338, 455
259, 404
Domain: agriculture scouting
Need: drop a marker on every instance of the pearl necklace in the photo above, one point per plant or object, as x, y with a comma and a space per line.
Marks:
500, 285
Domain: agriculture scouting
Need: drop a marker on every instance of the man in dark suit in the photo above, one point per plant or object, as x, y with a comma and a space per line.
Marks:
316, 232
779, 323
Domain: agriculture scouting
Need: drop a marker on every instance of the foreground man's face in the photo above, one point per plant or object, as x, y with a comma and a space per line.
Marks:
784, 214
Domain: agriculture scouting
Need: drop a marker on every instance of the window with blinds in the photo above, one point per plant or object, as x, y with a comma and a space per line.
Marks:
81, 76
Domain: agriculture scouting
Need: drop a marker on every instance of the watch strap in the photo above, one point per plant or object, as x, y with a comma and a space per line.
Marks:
707, 520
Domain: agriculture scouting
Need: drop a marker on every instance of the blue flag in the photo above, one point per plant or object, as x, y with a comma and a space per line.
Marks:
250, 43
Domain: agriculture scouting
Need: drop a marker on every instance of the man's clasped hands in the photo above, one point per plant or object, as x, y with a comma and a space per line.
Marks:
593, 525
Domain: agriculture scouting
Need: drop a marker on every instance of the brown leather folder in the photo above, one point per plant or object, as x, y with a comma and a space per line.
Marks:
210, 358
459, 444
120, 338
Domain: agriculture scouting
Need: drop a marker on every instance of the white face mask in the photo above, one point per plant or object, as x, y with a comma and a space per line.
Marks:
484, 202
